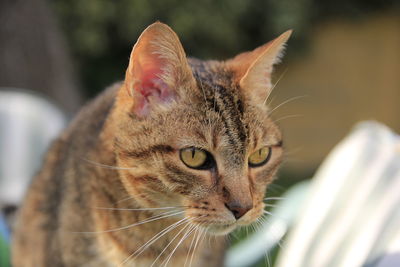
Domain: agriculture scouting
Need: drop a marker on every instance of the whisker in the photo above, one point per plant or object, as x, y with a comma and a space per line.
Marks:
139, 209
209, 240
188, 232
271, 101
276, 188
150, 219
274, 198
234, 234
268, 263
201, 233
288, 117
191, 245
228, 238
285, 102
273, 215
105, 165
276, 83
154, 239
170, 242
124, 199
254, 227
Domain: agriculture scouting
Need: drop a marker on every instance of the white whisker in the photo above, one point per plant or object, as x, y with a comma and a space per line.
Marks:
272, 215
201, 233
124, 199
191, 245
188, 232
170, 242
138, 209
276, 83
150, 219
105, 165
154, 239
288, 117
285, 102
172, 227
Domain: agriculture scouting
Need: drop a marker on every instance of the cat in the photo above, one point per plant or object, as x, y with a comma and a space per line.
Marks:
180, 151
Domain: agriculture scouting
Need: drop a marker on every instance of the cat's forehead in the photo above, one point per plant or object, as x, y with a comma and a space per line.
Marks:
211, 72
216, 85
233, 124
222, 97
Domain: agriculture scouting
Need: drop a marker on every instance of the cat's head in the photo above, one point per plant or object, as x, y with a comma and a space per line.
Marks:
197, 135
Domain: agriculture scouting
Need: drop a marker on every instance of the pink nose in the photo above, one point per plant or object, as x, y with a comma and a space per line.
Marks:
237, 209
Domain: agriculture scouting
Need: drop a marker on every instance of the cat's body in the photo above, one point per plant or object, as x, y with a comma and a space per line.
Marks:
124, 151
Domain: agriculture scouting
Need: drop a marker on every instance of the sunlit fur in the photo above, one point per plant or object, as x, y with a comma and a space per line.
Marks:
113, 190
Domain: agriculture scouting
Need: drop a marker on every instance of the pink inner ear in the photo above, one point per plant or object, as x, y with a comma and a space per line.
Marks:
150, 86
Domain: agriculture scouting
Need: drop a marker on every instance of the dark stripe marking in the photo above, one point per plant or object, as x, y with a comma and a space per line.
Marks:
150, 151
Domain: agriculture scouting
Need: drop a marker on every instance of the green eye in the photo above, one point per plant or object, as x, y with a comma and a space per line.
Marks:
260, 157
196, 158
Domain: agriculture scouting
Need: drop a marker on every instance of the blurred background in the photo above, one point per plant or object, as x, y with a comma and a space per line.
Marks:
342, 64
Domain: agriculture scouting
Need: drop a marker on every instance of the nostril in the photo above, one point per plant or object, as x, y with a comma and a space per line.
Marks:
237, 209
237, 214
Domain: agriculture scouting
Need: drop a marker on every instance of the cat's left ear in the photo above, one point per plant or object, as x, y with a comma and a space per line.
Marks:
157, 69
252, 70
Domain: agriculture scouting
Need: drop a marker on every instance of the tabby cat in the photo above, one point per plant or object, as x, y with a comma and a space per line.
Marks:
181, 150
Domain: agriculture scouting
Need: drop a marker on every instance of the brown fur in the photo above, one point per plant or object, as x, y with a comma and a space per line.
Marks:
118, 148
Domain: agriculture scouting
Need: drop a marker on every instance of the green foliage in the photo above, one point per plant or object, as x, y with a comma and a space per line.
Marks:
101, 33
4, 253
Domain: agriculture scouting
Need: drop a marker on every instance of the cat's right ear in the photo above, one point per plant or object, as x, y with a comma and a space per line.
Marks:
157, 69
252, 70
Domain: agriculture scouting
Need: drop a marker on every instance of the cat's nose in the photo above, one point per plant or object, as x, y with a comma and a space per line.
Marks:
238, 209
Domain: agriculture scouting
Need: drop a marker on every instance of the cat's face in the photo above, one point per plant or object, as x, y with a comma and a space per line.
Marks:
196, 135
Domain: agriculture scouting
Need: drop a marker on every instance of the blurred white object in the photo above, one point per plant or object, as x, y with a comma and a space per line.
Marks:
347, 216
351, 216
28, 123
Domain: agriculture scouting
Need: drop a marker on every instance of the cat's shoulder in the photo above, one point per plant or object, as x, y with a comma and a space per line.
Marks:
92, 116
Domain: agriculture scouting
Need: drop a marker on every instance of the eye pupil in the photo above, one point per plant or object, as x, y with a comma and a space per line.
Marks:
260, 157
196, 158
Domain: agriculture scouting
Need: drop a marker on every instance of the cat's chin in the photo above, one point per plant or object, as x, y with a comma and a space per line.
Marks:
221, 229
